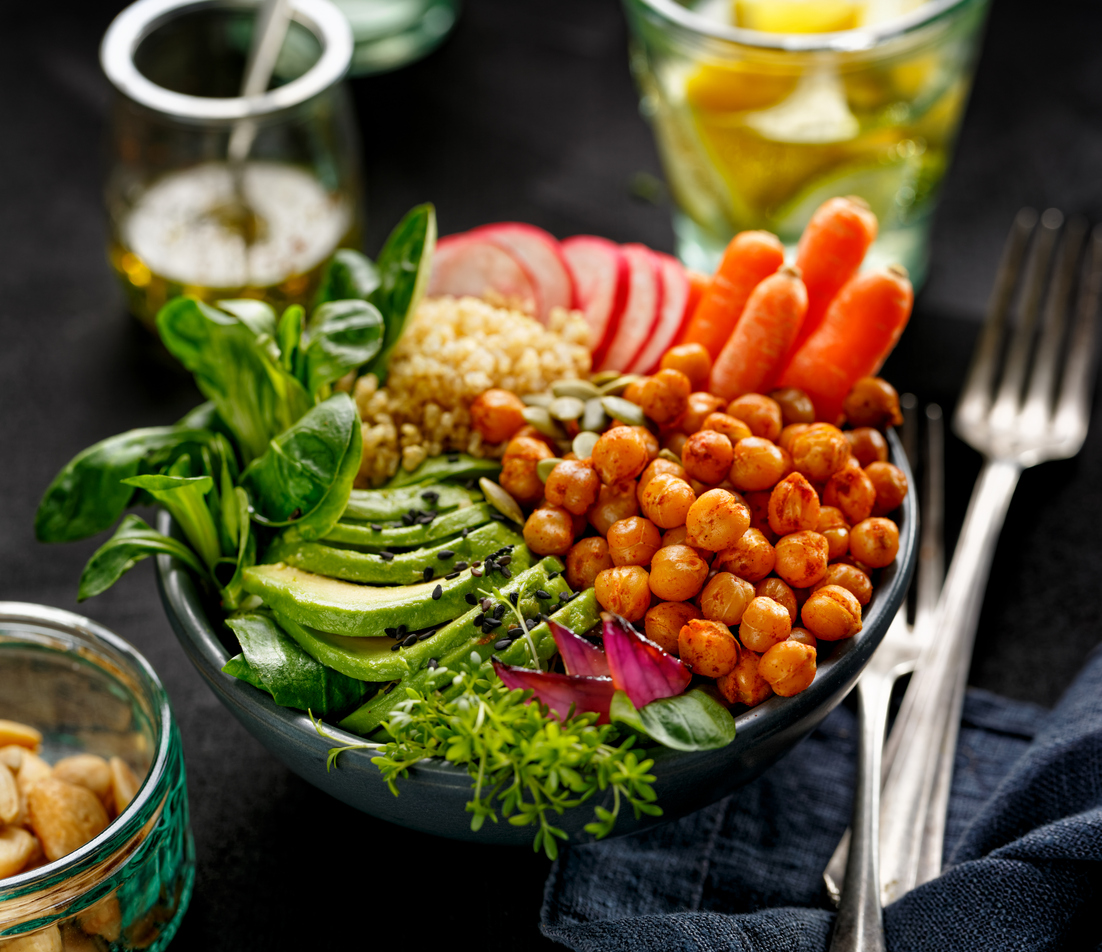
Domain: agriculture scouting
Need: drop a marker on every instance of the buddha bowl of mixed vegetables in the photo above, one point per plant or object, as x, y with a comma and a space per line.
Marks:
652, 581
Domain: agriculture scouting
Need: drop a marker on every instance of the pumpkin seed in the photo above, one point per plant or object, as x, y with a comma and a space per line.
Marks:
670, 455
501, 500
541, 420
584, 443
537, 400
566, 408
623, 410
594, 418
602, 377
620, 384
544, 467
582, 389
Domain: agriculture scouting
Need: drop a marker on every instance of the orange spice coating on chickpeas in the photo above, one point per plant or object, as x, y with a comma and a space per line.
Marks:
781, 592
678, 536
731, 427
497, 414
744, 684
620, 453
519, 477
796, 406
789, 433
890, 484
615, 501
717, 520
633, 541
759, 412
873, 402
874, 541
707, 455
549, 531
656, 466
751, 558
701, 406
585, 561
573, 484
793, 505
693, 360
677, 573
665, 396
708, 647
764, 623
758, 464
867, 445
624, 590
664, 621
666, 500
852, 491
834, 528
725, 598
802, 558
849, 577
831, 613
819, 451
803, 636
789, 667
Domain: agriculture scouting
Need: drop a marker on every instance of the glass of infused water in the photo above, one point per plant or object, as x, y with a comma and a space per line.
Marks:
183, 218
762, 109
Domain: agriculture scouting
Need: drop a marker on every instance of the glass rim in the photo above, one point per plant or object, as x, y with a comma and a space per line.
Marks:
65, 630
139, 20
840, 41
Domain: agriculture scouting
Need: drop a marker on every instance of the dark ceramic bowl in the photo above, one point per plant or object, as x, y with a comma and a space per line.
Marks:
433, 798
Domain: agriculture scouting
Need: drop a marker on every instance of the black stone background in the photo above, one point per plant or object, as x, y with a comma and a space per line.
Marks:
528, 113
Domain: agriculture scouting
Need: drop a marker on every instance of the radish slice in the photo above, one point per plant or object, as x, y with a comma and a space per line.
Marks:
538, 253
600, 274
578, 655
561, 692
639, 667
640, 310
468, 265
671, 317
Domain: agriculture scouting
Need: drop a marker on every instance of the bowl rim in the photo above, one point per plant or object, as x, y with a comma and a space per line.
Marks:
201, 643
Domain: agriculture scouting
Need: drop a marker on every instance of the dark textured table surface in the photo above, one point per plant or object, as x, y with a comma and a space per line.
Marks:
527, 113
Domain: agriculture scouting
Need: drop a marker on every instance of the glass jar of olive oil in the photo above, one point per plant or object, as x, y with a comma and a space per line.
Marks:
182, 219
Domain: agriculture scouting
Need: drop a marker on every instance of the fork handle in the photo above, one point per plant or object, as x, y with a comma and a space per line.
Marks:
930, 703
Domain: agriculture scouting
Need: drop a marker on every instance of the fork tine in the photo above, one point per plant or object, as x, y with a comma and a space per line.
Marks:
931, 553
975, 399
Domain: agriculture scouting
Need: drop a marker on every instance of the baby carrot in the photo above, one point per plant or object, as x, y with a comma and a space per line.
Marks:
857, 333
750, 257
831, 250
698, 284
755, 353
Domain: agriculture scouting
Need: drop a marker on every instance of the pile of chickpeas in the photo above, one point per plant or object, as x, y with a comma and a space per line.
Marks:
739, 533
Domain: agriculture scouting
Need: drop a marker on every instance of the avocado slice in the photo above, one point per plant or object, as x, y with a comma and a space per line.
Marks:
348, 608
405, 568
410, 537
374, 659
450, 466
579, 614
385, 505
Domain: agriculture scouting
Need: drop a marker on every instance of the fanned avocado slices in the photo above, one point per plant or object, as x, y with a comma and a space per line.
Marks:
393, 538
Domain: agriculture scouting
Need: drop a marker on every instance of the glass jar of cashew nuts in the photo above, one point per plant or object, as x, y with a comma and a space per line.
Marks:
95, 849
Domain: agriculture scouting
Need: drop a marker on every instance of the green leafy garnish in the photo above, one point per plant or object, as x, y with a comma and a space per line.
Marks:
694, 720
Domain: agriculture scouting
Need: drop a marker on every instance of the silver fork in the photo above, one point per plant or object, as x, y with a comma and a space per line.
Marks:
1029, 414
858, 926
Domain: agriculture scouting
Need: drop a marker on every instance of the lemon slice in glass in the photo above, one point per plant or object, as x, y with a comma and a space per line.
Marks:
799, 16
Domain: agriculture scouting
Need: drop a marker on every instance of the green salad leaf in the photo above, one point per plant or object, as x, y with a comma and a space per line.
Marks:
694, 720
349, 275
185, 498
340, 336
256, 315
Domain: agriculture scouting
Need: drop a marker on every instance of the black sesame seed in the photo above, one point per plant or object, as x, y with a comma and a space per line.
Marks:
479, 618
469, 484
426, 518
465, 532
433, 664
487, 604
564, 597
502, 645
430, 495
396, 647
426, 635
542, 595
514, 597
391, 632
386, 555
531, 623
471, 598
498, 517
428, 573
505, 560
505, 571
403, 628
376, 527
515, 632
477, 572
460, 566
445, 554
407, 520
410, 641
451, 575
390, 687
499, 610
438, 591
552, 575
491, 623
475, 564
453, 457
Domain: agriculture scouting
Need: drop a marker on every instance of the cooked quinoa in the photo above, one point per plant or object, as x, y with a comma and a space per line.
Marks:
451, 351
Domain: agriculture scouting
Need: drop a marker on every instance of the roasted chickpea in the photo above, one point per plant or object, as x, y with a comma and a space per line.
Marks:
793, 505
666, 500
585, 561
850, 490
751, 558
701, 406
708, 647
624, 590
693, 360
497, 415
664, 621
656, 466
758, 464
789, 433
801, 558
831, 613
744, 685
851, 578
717, 520
761, 413
819, 451
804, 637
574, 485
731, 427
531, 433
874, 541
678, 535
867, 445
677, 573
796, 406
633, 393
527, 447
890, 484
614, 502
781, 592
549, 531
674, 442
873, 402
620, 453
789, 667
764, 623
650, 440
707, 456
834, 528
665, 396
633, 541
725, 598
519, 477
758, 503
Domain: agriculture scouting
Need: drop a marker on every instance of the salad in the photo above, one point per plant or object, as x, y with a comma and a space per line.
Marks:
591, 564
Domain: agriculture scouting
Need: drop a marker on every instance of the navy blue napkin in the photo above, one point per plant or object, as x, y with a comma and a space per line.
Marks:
1022, 853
